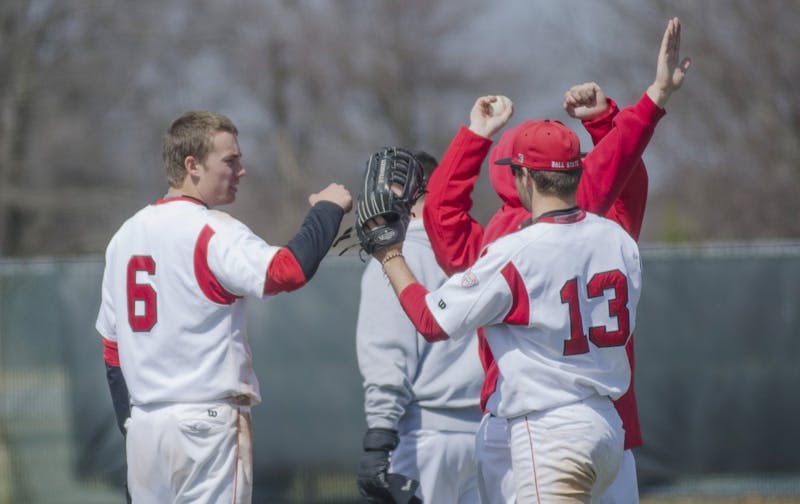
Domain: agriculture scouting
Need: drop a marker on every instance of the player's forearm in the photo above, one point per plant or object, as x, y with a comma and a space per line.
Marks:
293, 266
386, 362
397, 271
315, 237
120, 397
658, 95
608, 167
385, 403
455, 236
386, 349
412, 298
628, 211
411, 294
600, 126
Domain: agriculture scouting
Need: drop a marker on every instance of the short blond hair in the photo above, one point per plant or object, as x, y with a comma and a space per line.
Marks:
191, 134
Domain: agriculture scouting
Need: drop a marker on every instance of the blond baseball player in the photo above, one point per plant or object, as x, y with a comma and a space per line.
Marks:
172, 317
557, 300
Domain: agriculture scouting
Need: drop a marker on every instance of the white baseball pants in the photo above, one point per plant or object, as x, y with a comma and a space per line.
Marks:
442, 461
561, 455
625, 487
493, 453
181, 453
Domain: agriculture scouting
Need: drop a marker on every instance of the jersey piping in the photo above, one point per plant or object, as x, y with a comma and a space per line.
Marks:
208, 283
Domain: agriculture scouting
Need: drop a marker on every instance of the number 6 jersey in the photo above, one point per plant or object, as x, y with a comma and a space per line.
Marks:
175, 307
557, 300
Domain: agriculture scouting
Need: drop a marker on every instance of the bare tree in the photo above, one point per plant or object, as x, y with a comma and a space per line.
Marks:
24, 29
69, 72
316, 86
732, 147
334, 81
87, 87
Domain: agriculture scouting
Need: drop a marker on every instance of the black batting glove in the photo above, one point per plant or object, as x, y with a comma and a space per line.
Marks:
373, 484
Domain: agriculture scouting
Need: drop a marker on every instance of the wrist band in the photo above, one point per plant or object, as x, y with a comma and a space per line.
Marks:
389, 257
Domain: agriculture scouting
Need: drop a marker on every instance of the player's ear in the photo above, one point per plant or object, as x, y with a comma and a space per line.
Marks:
192, 166
527, 179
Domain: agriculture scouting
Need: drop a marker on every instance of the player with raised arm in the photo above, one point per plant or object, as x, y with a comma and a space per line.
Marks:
614, 183
557, 301
173, 317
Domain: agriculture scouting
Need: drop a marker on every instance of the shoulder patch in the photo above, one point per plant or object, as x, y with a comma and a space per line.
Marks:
469, 279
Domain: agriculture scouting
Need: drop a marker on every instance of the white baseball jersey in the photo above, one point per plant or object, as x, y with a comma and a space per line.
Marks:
173, 299
557, 300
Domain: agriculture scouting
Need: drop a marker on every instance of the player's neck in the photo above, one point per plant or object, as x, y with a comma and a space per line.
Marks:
550, 203
186, 190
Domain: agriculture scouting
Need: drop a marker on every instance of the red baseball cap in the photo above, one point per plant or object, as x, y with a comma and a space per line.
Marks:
545, 145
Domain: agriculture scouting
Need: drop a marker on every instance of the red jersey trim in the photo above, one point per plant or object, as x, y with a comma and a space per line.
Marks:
208, 283
413, 301
570, 218
180, 198
519, 314
627, 407
110, 353
489, 383
284, 273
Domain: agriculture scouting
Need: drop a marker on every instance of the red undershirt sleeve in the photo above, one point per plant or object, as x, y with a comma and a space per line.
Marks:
412, 300
455, 236
110, 353
628, 209
601, 125
284, 273
608, 167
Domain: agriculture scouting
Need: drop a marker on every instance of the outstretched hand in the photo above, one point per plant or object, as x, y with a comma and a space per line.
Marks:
585, 101
489, 114
670, 70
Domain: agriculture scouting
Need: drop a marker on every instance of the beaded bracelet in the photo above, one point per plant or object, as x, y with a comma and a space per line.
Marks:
389, 257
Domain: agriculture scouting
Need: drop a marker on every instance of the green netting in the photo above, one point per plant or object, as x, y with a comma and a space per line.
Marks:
716, 345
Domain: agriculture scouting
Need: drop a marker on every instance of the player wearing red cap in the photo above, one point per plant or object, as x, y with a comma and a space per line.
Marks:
614, 183
557, 301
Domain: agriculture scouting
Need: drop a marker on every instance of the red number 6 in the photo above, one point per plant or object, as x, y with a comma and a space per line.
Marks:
143, 293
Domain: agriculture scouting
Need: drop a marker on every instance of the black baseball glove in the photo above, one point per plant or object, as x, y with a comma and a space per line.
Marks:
393, 180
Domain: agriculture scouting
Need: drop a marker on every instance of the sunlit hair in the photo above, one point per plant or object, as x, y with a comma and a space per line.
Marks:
191, 134
556, 183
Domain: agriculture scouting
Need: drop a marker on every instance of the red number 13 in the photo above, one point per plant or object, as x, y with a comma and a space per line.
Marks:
144, 293
617, 307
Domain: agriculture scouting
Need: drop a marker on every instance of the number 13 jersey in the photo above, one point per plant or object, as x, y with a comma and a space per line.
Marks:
557, 301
